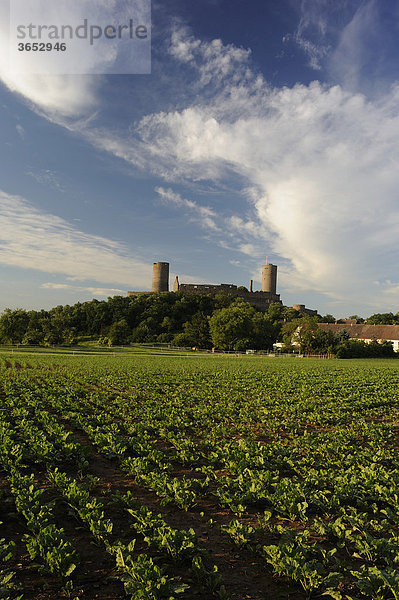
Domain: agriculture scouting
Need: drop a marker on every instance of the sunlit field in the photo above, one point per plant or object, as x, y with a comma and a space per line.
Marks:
154, 475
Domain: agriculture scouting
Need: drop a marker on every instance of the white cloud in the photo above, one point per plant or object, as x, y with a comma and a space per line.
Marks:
95, 291
313, 16
350, 40
32, 239
249, 228
70, 91
205, 215
324, 162
216, 60
232, 232
21, 131
57, 96
249, 249
355, 48
314, 52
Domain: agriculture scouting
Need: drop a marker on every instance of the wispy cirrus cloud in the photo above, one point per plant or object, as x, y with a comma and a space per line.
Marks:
350, 42
203, 214
33, 239
311, 33
95, 291
48, 177
231, 232
360, 60
21, 131
215, 61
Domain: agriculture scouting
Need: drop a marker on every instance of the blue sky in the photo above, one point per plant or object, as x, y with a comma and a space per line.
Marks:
266, 128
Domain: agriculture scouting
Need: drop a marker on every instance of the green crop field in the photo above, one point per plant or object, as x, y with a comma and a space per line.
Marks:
158, 476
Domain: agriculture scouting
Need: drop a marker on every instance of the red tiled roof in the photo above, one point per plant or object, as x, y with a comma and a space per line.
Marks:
364, 331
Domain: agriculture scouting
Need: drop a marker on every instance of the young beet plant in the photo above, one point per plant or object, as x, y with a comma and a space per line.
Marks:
47, 541
7, 587
179, 544
145, 581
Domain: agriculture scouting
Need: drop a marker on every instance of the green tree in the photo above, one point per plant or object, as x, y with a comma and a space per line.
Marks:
13, 325
167, 324
264, 331
118, 333
300, 333
231, 327
182, 340
341, 336
360, 349
357, 318
223, 300
142, 333
276, 311
382, 319
327, 319
33, 337
288, 314
197, 331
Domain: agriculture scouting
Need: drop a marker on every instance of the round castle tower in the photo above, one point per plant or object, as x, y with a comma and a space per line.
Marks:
269, 278
160, 277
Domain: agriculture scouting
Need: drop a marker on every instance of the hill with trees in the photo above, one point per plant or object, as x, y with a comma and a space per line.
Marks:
175, 318
179, 319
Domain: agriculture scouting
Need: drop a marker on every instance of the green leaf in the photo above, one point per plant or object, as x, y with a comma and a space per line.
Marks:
335, 594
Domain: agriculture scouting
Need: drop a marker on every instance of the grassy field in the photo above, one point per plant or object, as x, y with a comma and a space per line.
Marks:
152, 475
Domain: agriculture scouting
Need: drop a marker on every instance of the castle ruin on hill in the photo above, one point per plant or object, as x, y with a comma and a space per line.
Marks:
261, 299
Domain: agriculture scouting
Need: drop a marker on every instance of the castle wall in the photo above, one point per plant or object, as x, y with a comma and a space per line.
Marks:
139, 293
191, 288
259, 299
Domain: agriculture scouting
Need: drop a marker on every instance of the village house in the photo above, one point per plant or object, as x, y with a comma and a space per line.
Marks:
365, 332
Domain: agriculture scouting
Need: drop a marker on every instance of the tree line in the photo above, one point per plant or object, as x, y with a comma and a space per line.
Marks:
175, 318
222, 321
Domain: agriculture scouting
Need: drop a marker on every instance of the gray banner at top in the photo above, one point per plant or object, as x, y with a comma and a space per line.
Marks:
80, 37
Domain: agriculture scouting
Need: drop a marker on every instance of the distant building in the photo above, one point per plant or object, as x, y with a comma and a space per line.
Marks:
365, 332
301, 308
